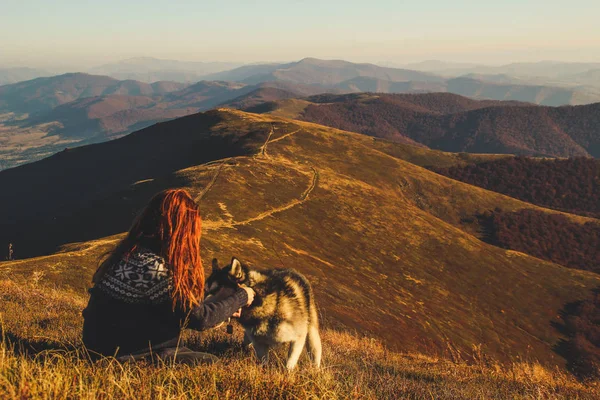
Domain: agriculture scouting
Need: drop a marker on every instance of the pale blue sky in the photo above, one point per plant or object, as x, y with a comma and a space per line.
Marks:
82, 32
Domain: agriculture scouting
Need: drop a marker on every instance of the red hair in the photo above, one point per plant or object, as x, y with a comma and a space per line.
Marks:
171, 223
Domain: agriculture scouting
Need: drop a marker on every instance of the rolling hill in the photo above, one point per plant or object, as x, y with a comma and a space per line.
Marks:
43, 94
481, 87
453, 123
108, 116
104, 108
99, 118
259, 97
389, 246
538, 94
571, 185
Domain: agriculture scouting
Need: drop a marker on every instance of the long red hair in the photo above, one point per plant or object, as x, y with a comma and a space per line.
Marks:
170, 225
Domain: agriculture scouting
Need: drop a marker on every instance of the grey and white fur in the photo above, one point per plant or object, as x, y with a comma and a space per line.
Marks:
283, 310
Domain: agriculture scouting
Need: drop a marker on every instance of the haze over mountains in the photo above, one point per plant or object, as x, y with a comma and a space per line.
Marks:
351, 77
19, 74
560, 71
148, 69
44, 115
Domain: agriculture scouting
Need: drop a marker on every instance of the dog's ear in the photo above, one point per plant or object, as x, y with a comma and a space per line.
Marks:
215, 265
236, 272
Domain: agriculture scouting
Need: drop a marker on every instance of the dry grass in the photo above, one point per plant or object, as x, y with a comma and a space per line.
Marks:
41, 357
384, 242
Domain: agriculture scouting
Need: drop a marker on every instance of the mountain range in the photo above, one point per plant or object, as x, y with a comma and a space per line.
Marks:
43, 94
44, 115
453, 123
351, 77
392, 249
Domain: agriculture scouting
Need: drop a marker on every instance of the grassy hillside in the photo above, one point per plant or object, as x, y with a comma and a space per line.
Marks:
389, 246
41, 358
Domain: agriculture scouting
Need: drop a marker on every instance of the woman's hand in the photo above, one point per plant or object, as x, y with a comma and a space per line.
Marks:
237, 314
250, 293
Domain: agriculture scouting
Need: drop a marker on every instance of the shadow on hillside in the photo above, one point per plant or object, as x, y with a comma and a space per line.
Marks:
95, 191
579, 324
562, 348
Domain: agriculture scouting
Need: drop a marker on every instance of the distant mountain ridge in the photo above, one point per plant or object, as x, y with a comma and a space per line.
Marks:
45, 115
60, 105
312, 71
453, 123
351, 77
149, 69
43, 94
549, 69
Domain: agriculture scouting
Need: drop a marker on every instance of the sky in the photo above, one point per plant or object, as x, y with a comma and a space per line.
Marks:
85, 33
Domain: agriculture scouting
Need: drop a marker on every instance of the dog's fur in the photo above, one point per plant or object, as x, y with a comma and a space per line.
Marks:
283, 310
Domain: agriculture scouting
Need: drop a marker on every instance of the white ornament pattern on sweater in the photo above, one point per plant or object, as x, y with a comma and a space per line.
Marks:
143, 277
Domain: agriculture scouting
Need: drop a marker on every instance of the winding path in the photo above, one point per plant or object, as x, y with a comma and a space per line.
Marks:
208, 225
303, 198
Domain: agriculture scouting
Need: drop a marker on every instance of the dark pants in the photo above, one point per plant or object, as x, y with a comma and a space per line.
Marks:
171, 355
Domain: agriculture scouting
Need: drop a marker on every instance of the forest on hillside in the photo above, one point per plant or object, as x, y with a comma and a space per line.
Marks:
456, 125
571, 185
551, 237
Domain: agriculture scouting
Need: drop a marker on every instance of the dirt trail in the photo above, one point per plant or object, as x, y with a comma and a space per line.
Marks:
211, 183
209, 225
263, 148
284, 136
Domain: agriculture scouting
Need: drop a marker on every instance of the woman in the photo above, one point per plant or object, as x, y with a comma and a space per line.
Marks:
151, 287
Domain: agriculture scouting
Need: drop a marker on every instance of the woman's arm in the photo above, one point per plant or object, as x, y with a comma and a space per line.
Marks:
210, 314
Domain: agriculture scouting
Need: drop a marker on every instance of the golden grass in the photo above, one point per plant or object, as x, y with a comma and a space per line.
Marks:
41, 358
384, 242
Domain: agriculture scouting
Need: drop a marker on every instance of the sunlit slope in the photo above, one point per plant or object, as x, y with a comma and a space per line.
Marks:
383, 241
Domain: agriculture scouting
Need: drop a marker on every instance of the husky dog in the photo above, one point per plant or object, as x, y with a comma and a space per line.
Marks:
283, 310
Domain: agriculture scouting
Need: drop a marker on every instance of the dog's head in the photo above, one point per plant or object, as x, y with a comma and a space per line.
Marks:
223, 282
